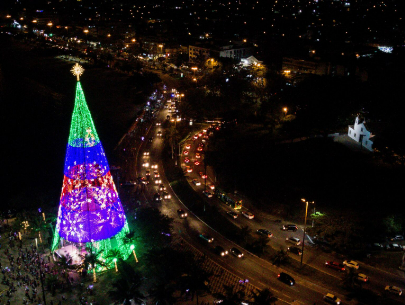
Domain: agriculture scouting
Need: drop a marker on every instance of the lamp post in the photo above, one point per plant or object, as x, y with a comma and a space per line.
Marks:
305, 225
133, 251
285, 109
161, 48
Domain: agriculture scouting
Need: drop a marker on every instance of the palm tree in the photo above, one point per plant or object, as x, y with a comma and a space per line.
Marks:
244, 233
92, 259
230, 296
263, 297
130, 238
65, 263
113, 254
162, 294
280, 257
127, 286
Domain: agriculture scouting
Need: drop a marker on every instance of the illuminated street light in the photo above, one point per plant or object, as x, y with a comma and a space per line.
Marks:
115, 262
133, 40
305, 225
285, 109
133, 251
161, 48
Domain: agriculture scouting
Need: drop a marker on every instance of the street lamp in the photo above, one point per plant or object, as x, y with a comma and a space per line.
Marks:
133, 251
161, 48
285, 109
305, 225
194, 69
115, 262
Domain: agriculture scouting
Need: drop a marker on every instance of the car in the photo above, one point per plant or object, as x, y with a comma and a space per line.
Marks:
146, 153
189, 169
197, 163
294, 240
393, 247
351, 264
167, 117
290, 228
199, 148
150, 139
157, 197
197, 155
335, 265
158, 181
128, 183
145, 163
332, 299
188, 146
196, 182
295, 250
148, 173
162, 187
248, 214
195, 137
166, 196
206, 237
181, 213
211, 186
159, 133
154, 166
394, 290
208, 194
376, 246
156, 174
220, 251
202, 175
186, 160
286, 278
397, 237
185, 152
143, 180
362, 277
233, 214
264, 232
158, 123
236, 252
200, 134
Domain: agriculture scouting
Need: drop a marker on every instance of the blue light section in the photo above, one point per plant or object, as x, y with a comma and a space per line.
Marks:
85, 162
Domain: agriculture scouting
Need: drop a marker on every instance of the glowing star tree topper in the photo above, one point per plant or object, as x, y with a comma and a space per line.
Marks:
77, 71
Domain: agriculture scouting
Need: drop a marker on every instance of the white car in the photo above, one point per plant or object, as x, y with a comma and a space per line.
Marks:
248, 215
394, 290
351, 264
294, 240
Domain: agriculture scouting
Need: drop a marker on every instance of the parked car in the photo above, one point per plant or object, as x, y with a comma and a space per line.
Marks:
286, 278
393, 247
233, 214
393, 290
181, 213
335, 265
351, 264
236, 252
264, 232
206, 237
332, 299
248, 215
376, 246
294, 240
396, 238
290, 228
362, 277
221, 251
295, 250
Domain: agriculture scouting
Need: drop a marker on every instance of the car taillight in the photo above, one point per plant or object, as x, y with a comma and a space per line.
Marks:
326, 263
278, 275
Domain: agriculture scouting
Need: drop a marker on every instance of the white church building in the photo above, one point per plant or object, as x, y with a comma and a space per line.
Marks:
359, 133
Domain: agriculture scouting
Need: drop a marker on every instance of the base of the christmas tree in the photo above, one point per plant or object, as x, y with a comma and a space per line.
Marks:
108, 249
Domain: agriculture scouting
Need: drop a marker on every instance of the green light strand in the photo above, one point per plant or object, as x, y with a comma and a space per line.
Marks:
82, 130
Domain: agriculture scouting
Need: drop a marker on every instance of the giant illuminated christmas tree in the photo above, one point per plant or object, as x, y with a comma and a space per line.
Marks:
90, 211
